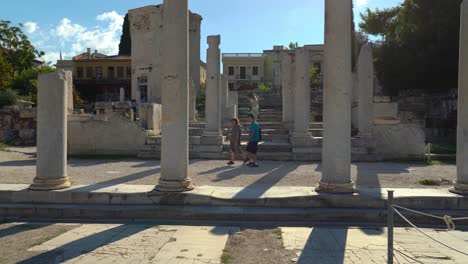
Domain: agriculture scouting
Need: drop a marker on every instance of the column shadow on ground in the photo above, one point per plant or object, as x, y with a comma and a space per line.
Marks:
121, 180
16, 229
263, 184
325, 245
86, 244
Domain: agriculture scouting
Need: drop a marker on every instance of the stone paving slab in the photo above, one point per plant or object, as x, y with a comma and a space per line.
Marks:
18, 166
361, 245
115, 243
276, 196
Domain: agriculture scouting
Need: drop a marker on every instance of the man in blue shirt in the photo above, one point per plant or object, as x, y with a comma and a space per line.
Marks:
254, 138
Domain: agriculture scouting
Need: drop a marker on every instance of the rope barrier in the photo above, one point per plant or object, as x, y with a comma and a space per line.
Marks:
446, 218
422, 232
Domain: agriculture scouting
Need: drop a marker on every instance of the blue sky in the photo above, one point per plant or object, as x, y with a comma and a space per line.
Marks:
244, 25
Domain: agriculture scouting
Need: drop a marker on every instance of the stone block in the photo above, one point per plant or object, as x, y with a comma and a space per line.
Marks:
386, 110
404, 141
28, 113
27, 134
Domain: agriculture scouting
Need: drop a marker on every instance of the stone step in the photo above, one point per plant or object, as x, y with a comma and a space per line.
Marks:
316, 132
276, 146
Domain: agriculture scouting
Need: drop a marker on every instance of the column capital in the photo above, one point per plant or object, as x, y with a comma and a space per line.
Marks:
214, 41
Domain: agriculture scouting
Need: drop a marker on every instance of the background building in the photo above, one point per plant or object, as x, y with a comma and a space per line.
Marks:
244, 71
98, 77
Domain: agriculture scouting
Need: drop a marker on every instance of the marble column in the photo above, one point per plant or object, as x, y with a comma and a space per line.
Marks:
213, 91
301, 95
194, 53
51, 164
175, 99
224, 99
287, 89
192, 102
365, 91
461, 185
336, 149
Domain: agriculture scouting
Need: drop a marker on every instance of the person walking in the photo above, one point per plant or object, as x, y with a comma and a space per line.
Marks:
235, 140
254, 138
254, 106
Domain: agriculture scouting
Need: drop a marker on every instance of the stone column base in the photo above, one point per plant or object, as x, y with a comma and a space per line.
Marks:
50, 184
459, 188
335, 188
173, 186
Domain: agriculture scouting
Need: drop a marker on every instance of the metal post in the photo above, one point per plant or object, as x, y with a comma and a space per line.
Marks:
390, 226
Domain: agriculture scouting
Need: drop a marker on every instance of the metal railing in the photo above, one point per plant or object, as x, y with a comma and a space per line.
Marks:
392, 208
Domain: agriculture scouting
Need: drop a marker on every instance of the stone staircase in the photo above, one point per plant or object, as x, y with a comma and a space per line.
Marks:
275, 135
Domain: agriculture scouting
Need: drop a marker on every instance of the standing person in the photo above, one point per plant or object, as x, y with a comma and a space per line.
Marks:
254, 106
235, 140
254, 138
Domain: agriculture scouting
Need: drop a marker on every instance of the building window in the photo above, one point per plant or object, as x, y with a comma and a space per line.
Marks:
110, 73
143, 88
231, 86
89, 72
231, 70
129, 72
120, 72
255, 70
243, 73
79, 72
99, 73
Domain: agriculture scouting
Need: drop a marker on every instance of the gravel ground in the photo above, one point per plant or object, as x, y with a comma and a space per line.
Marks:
18, 166
16, 238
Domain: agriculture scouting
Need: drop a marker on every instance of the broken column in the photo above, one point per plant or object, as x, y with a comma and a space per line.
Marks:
365, 91
287, 89
461, 185
51, 164
211, 142
336, 149
122, 95
175, 99
213, 82
194, 47
300, 136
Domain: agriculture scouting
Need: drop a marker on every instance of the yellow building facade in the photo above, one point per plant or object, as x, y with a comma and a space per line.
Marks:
98, 77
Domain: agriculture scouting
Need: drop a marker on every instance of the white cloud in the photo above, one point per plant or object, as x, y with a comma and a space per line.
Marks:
360, 3
30, 27
115, 20
73, 38
67, 30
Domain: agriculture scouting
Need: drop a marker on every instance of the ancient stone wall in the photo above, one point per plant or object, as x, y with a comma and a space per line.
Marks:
110, 134
18, 127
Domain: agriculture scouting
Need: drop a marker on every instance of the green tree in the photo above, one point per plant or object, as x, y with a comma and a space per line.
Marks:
25, 83
418, 46
292, 46
125, 46
15, 47
5, 73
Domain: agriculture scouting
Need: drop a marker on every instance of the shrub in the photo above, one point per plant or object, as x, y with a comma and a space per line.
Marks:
262, 87
8, 97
